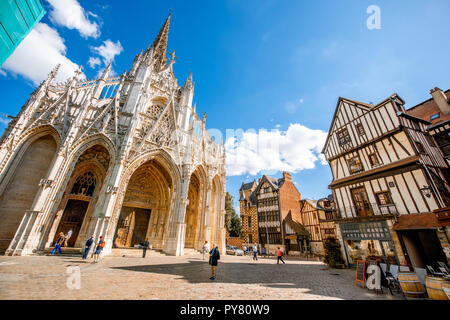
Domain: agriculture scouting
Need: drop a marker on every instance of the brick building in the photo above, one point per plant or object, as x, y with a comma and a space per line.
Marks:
278, 212
247, 209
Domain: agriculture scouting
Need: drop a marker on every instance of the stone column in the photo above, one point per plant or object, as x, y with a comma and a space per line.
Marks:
103, 220
174, 243
222, 228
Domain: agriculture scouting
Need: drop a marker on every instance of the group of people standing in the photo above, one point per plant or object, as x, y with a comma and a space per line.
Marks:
62, 240
214, 253
98, 249
255, 251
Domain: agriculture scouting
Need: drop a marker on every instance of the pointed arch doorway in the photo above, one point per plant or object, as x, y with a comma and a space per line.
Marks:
80, 197
20, 185
145, 208
76, 207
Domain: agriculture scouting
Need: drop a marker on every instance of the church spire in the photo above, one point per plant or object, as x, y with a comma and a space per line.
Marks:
106, 72
159, 46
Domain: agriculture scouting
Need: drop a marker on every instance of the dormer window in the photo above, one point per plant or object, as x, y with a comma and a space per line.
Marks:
435, 116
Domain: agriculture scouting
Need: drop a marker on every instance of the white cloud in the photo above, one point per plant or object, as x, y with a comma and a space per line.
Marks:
293, 150
93, 62
70, 14
108, 50
41, 50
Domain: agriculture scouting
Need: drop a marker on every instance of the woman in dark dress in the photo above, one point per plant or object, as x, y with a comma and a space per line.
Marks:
214, 255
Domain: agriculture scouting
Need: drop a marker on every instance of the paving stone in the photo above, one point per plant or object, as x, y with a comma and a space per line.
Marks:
166, 277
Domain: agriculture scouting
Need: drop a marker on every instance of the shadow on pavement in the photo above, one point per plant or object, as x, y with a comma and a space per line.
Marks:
310, 277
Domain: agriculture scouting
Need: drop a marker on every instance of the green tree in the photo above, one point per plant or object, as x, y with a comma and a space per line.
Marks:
333, 255
232, 220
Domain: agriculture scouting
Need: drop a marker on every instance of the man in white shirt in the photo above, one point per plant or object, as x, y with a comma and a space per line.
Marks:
205, 249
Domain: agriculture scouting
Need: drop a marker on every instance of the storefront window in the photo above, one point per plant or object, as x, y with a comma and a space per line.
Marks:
368, 241
364, 250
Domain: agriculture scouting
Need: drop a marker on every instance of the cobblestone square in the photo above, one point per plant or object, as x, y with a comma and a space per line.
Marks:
169, 277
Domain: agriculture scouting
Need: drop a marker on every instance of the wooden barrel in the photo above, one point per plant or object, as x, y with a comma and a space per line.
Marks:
411, 286
434, 288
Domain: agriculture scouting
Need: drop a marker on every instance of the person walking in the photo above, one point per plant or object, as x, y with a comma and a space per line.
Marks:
279, 256
145, 247
59, 243
98, 249
255, 252
214, 256
87, 247
67, 237
205, 249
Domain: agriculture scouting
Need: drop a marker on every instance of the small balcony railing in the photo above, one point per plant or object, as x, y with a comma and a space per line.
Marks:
367, 210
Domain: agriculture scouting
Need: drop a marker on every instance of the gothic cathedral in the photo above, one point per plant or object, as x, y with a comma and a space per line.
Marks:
123, 157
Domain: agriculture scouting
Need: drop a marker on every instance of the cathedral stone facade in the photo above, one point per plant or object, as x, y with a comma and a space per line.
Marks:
124, 157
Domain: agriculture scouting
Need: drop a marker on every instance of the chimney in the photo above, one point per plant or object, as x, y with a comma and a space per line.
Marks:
441, 100
287, 175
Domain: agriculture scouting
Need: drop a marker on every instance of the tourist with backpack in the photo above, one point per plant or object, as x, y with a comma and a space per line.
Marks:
58, 243
214, 256
98, 249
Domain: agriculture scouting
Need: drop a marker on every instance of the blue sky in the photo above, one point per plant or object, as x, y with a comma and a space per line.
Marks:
275, 65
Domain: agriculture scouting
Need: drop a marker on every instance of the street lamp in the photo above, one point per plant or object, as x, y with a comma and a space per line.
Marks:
426, 191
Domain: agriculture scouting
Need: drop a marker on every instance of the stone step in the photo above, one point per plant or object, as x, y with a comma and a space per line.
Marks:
67, 251
134, 252
189, 251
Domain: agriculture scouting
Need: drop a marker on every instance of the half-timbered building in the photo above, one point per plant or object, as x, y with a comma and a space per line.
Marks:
436, 110
318, 218
388, 177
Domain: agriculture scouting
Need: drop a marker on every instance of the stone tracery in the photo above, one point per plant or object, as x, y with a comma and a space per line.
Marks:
139, 138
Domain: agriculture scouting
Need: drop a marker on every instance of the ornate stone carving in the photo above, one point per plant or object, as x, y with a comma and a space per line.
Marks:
147, 155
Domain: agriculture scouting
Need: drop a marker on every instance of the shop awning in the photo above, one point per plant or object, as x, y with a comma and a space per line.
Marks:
297, 227
417, 222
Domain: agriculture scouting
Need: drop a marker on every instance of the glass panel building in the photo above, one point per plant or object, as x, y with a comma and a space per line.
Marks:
17, 19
